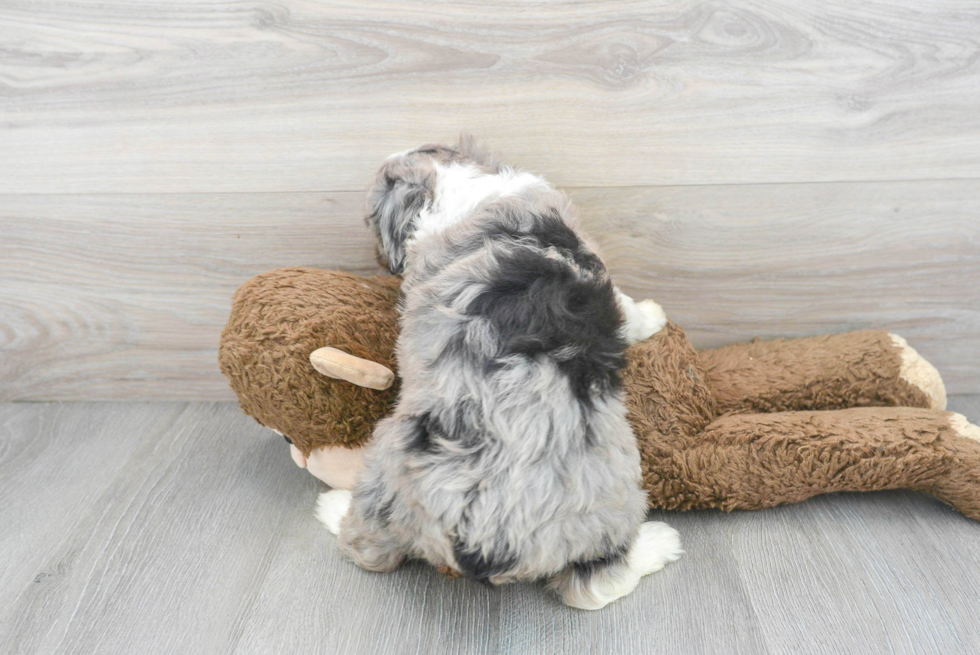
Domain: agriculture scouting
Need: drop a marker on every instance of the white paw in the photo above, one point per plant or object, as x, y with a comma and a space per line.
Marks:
604, 588
643, 319
331, 507
655, 546
647, 319
654, 317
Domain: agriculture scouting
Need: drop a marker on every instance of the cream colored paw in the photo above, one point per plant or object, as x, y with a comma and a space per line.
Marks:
655, 546
963, 427
331, 507
920, 373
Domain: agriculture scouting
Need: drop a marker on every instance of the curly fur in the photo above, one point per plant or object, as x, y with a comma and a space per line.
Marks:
509, 455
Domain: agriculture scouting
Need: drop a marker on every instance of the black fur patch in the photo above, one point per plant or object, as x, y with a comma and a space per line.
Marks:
542, 306
548, 230
586, 568
376, 502
420, 438
473, 564
384, 511
461, 426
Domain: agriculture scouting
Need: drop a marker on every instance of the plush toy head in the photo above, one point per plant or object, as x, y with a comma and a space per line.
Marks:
741, 427
278, 319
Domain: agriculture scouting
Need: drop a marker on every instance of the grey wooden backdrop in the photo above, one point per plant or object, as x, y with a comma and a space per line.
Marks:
777, 167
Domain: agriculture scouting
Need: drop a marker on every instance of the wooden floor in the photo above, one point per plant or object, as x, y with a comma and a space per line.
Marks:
186, 528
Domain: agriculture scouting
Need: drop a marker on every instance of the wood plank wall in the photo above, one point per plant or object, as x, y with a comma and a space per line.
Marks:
768, 168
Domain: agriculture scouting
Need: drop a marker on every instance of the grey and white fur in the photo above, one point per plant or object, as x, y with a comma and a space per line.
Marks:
508, 456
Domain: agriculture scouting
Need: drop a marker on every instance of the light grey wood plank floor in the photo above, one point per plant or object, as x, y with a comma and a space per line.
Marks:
185, 528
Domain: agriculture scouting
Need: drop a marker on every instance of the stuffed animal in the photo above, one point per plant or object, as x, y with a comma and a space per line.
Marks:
310, 354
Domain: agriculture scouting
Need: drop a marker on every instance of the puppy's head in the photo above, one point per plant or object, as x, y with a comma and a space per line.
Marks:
405, 185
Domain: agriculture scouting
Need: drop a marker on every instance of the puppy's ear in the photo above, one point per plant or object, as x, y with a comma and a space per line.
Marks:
394, 205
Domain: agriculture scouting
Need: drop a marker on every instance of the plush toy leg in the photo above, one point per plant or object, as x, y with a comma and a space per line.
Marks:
335, 465
752, 461
871, 368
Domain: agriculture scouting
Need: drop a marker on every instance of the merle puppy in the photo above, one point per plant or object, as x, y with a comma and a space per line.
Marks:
508, 456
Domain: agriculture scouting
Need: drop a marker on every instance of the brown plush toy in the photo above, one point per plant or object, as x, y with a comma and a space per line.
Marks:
745, 426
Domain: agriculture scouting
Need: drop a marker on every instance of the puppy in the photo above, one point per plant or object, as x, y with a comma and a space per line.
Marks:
508, 456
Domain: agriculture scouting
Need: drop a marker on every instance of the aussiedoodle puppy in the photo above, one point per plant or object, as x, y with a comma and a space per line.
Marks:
508, 456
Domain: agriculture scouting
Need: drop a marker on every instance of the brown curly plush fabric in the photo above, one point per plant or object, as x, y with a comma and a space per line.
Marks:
694, 455
831, 371
752, 461
702, 441
278, 319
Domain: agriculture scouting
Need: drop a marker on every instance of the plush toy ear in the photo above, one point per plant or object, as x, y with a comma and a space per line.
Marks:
337, 364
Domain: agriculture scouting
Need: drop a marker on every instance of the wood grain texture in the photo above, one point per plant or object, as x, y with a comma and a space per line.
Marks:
302, 95
733, 263
186, 528
124, 296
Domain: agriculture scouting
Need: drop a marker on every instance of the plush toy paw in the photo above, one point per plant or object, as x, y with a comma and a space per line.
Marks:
959, 486
331, 507
920, 373
656, 545
963, 427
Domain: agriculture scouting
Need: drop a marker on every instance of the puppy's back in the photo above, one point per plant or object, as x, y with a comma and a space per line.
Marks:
511, 434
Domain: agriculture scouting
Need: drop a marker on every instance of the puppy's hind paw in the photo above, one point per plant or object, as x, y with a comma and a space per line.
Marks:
331, 507
656, 545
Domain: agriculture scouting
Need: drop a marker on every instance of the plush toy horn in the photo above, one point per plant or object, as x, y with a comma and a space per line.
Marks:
338, 364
